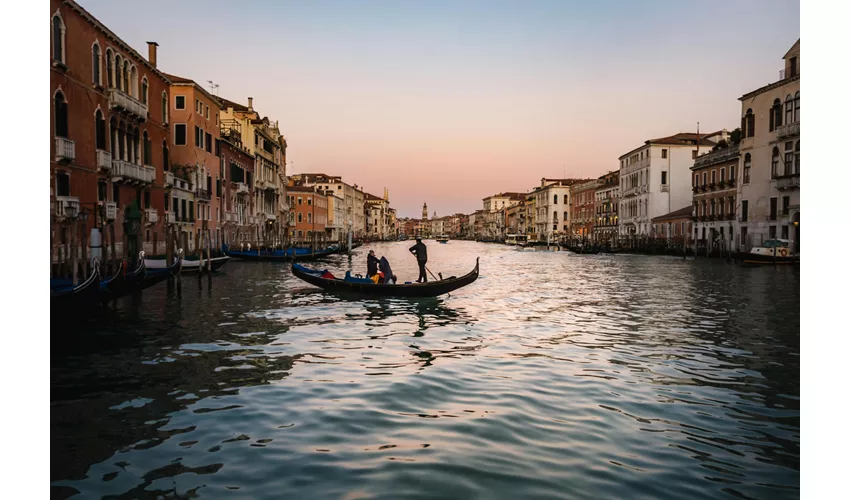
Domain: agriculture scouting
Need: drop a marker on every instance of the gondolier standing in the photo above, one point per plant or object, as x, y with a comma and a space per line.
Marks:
421, 254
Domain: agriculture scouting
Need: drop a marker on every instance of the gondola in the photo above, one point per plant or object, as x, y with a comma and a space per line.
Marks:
363, 286
154, 276
68, 297
189, 266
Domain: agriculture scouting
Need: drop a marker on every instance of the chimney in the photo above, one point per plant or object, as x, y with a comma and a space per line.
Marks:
250, 104
152, 53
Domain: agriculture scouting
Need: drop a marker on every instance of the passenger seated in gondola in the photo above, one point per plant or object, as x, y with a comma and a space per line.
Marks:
386, 271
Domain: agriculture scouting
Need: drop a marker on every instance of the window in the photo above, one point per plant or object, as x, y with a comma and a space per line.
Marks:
100, 130
208, 143
118, 67
180, 134
786, 205
797, 107
774, 164
164, 108
748, 123
147, 159
772, 215
696, 179
713, 176
663, 153
309, 200
125, 77
704, 178
731, 172
299, 217
792, 70
772, 232
218, 188
164, 157
218, 151
101, 190
744, 210
63, 184
775, 115
198, 106
109, 68
95, 63
191, 210
206, 112
566, 215
556, 200
60, 115
748, 163
197, 136
147, 199
58, 38
797, 158
694, 154
179, 102
784, 232
144, 93
722, 174
789, 109
300, 200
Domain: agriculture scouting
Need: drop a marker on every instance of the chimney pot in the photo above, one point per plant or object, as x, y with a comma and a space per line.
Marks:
250, 104
152, 53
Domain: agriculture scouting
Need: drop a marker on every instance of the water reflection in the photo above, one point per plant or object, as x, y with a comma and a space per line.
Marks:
553, 375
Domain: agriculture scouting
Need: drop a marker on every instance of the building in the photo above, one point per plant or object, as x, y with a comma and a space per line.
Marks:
336, 228
515, 219
655, 178
552, 208
353, 198
582, 207
241, 224
530, 213
769, 187
607, 208
494, 209
377, 216
714, 186
674, 227
197, 160
261, 137
109, 143
311, 214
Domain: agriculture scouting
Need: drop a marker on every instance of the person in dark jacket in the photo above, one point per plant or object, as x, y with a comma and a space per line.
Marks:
371, 264
421, 254
384, 266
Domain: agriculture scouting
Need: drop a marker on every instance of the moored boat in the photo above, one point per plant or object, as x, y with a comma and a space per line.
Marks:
442, 238
773, 251
363, 286
190, 265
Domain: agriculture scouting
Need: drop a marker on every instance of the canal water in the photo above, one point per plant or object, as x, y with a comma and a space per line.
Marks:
553, 376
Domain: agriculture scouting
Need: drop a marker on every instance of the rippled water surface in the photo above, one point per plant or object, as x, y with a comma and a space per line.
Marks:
552, 376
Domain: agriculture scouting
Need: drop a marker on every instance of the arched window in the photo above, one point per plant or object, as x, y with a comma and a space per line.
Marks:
144, 94
797, 158
118, 72
789, 109
797, 107
147, 158
556, 200
299, 217
60, 115
125, 77
110, 79
95, 62
58, 38
134, 83
100, 130
135, 147
750, 123
164, 108
113, 137
775, 114
165, 156
748, 163
774, 163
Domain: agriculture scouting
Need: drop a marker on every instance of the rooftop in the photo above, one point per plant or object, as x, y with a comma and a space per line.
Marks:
680, 139
682, 213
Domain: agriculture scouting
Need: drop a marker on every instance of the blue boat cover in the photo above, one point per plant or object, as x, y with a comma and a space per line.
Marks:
308, 270
351, 279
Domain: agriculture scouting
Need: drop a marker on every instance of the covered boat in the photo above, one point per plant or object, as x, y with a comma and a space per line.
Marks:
287, 255
774, 251
442, 239
189, 265
362, 286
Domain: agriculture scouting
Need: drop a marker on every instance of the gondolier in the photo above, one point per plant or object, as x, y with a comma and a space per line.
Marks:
421, 253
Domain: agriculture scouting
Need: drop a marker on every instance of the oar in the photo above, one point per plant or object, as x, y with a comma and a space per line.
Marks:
432, 274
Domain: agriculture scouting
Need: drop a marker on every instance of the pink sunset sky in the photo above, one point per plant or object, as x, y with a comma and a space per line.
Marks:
449, 102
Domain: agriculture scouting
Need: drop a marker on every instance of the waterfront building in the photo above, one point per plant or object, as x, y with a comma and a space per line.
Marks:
240, 221
655, 178
262, 139
552, 208
582, 204
109, 141
311, 214
196, 156
353, 198
494, 208
377, 216
674, 227
606, 207
530, 212
515, 219
335, 229
769, 187
714, 186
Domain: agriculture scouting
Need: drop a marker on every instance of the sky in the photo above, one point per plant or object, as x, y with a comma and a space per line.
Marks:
447, 102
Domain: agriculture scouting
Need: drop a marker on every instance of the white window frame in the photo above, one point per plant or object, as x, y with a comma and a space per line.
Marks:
99, 67
63, 47
185, 134
176, 97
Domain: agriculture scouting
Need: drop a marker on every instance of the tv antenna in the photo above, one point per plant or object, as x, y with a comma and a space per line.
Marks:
213, 88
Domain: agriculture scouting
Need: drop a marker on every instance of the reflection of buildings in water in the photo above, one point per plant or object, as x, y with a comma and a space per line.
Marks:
90, 420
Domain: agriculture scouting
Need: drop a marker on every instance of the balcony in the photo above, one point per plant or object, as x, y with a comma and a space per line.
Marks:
110, 209
64, 149
711, 186
730, 216
788, 182
665, 188
270, 216
715, 157
202, 195
241, 188
788, 130
169, 178
122, 101
151, 217
131, 172
170, 217
67, 207
104, 160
